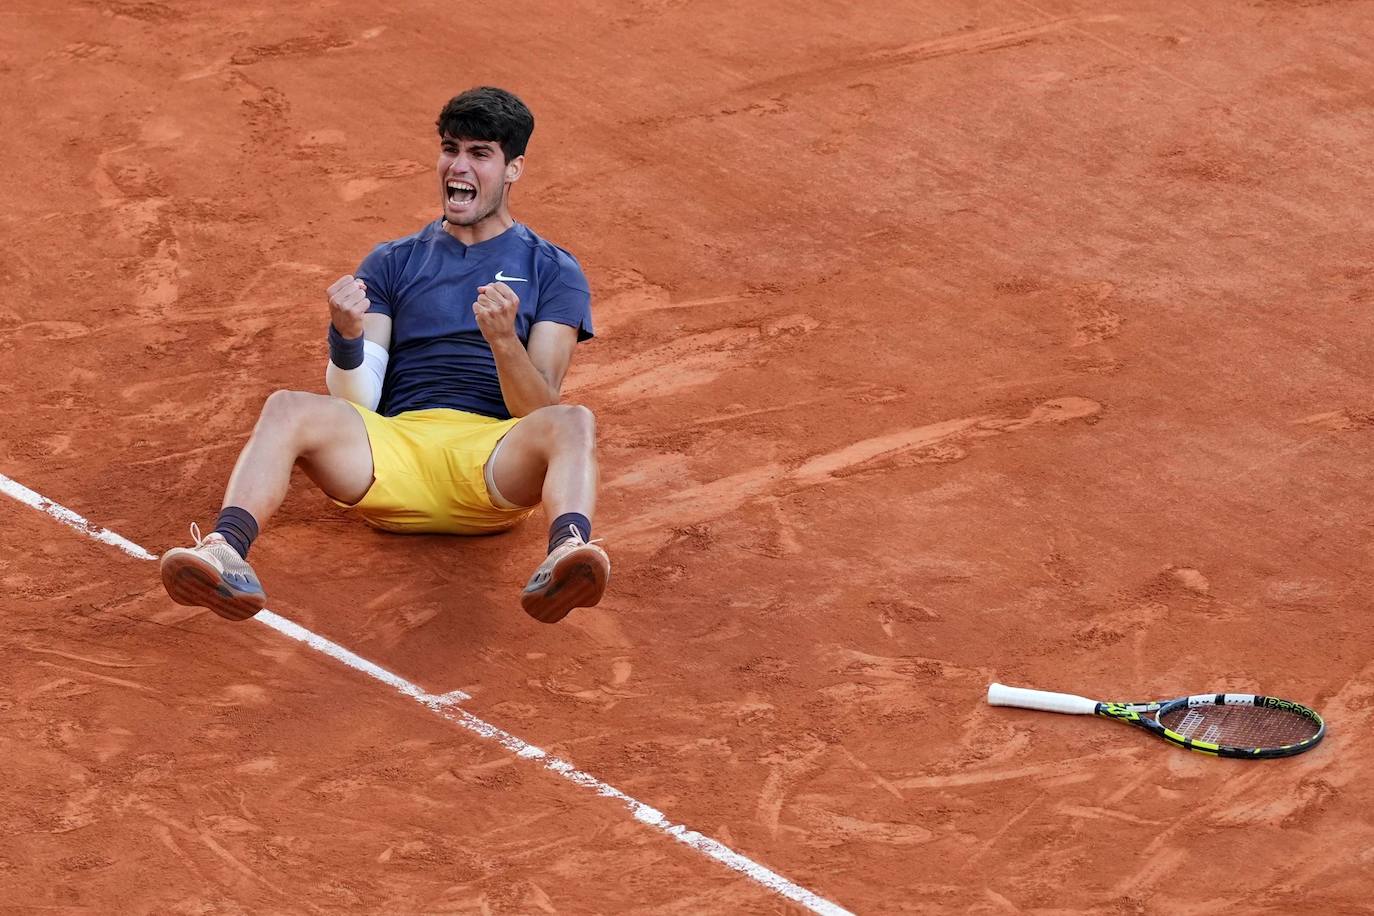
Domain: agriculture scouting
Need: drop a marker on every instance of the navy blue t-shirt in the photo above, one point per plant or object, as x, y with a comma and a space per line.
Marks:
427, 283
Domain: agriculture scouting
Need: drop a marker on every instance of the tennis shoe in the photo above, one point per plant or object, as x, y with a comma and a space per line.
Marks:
212, 575
573, 575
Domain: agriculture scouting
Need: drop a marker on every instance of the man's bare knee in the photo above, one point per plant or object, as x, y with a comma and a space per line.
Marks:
301, 416
284, 411
574, 424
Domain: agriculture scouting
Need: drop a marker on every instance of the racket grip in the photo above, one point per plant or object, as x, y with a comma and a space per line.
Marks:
1002, 695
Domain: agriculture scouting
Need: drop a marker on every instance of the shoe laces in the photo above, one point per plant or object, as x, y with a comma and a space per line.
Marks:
204, 542
577, 538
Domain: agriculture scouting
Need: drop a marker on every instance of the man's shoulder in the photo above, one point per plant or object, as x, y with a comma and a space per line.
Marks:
562, 261
425, 234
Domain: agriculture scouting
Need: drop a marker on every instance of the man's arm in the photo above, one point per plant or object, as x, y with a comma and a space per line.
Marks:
358, 345
530, 378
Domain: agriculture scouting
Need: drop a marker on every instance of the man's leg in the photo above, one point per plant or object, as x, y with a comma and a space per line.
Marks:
550, 456
324, 435
327, 438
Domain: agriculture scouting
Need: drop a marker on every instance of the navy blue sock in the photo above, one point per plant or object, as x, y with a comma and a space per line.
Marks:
238, 527
558, 531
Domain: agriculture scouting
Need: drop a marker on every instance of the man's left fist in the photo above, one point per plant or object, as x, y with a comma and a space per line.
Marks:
495, 308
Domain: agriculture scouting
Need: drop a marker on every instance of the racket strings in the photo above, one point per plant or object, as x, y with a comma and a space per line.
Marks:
1240, 726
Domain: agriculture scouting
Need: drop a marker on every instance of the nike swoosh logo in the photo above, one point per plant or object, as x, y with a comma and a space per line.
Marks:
502, 278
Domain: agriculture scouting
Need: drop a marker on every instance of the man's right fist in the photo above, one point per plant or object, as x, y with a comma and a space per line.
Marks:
347, 306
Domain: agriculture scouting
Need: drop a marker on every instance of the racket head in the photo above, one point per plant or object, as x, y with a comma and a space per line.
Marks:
1243, 725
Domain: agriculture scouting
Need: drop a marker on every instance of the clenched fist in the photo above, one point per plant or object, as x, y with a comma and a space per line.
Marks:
347, 306
495, 309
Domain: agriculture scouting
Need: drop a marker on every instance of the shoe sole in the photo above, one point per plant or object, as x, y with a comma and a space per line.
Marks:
191, 581
578, 580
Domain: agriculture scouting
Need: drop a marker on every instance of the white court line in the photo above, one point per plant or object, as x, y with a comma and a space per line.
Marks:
66, 516
444, 706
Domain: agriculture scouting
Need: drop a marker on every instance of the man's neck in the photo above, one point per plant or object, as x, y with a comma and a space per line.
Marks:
488, 228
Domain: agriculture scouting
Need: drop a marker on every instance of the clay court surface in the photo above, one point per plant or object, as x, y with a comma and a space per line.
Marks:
939, 343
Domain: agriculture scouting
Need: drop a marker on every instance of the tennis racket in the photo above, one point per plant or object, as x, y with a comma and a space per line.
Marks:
1220, 724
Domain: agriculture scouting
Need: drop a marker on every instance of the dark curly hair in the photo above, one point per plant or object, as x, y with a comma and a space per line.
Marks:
488, 113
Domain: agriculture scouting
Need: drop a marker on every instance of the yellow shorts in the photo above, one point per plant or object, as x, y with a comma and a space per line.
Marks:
428, 473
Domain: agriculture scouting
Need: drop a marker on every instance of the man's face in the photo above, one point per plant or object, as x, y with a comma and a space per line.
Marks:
472, 178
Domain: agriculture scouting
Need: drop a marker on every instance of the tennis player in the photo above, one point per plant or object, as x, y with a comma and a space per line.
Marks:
447, 352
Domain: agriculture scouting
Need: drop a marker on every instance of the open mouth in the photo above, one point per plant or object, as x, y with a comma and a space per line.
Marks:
460, 192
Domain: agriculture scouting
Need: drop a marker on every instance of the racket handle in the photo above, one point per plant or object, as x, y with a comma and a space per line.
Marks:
1002, 695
